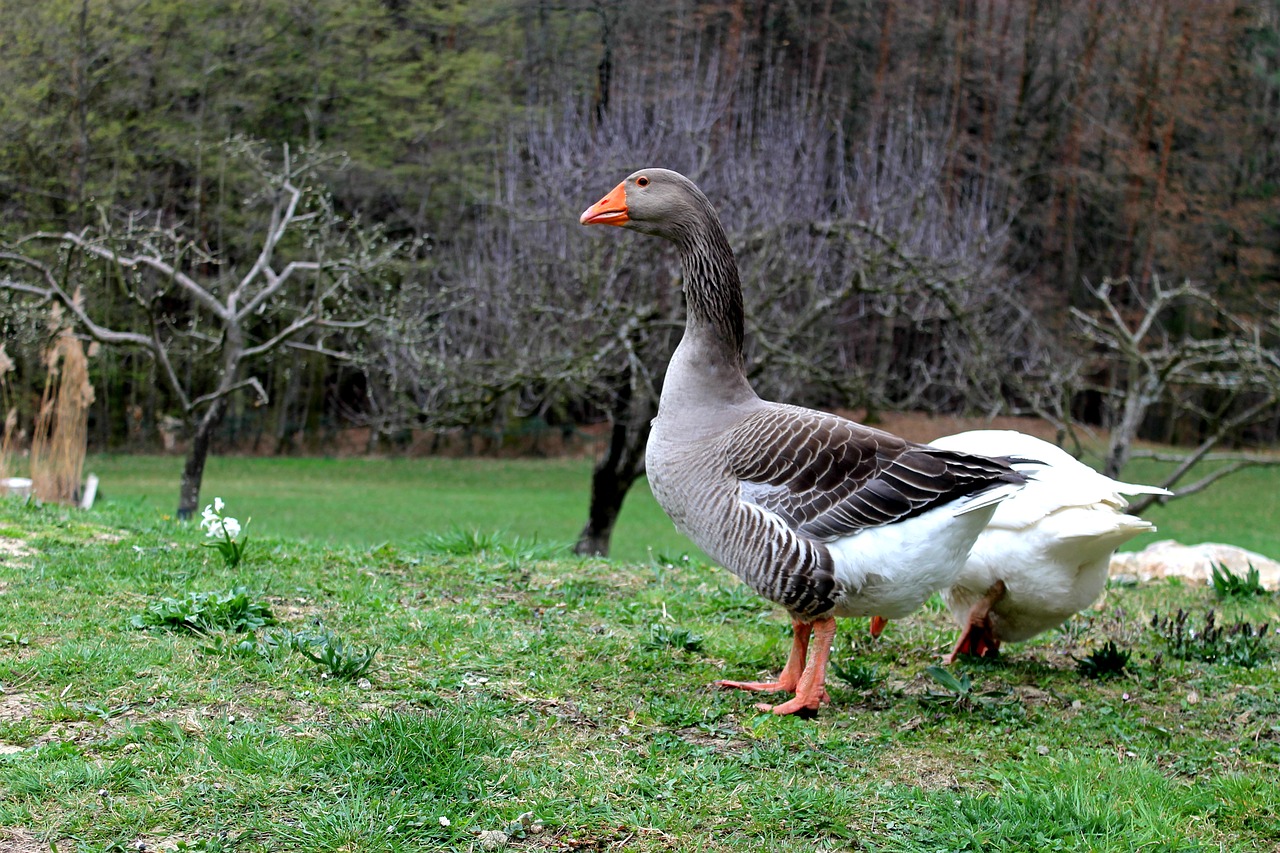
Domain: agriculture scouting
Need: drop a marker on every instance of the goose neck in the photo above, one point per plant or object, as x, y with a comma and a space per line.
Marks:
713, 295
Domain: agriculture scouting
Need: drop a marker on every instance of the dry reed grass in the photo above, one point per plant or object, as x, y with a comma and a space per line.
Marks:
9, 438
60, 439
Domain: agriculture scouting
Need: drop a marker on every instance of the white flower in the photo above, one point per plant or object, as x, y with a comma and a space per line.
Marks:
210, 521
215, 525
231, 526
444, 821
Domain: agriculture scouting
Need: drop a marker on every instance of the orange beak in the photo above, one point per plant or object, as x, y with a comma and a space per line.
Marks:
877, 625
610, 210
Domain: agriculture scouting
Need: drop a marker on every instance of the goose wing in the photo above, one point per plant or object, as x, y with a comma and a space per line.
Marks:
827, 477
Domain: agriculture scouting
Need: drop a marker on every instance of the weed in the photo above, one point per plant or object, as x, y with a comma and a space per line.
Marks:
265, 646
1107, 662
203, 612
662, 637
732, 601
1226, 584
960, 690
102, 713
464, 542
1239, 644
858, 674
663, 560
334, 656
461, 542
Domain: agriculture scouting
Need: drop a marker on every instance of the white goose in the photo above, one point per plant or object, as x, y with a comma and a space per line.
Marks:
1045, 553
818, 514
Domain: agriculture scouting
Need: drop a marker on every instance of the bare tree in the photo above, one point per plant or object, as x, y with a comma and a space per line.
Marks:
211, 324
1181, 348
846, 256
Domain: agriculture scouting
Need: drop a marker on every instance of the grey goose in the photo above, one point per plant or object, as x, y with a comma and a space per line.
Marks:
821, 515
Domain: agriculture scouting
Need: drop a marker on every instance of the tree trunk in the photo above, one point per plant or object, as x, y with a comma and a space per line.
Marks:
193, 470
622, 463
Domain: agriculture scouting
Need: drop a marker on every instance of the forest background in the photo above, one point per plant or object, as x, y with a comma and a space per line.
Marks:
1059, 207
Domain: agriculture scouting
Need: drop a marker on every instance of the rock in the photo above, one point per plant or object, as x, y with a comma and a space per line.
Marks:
1195, 563
19, 487
492, 839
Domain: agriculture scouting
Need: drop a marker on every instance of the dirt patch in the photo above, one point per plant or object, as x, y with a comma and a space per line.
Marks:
14, 548
725, 738
565, 711
920, 769
293, 610
15, 706
21, 841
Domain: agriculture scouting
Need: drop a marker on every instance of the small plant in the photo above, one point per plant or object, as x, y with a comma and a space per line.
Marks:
265, 645
335, 657
1107, 662
683, 559
204, 612
960, 690
661, 637
226, 531
1240, 644
737, 599
1227, 584
460, 542
858, 674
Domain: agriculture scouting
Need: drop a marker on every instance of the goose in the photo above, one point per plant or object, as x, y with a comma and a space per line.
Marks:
1045, 554
823, 516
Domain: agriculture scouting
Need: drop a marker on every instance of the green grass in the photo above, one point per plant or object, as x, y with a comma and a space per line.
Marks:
370, 501
1241, 509
366, 502
505, 683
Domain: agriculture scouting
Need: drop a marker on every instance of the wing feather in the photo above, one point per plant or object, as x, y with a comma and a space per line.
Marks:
827, 477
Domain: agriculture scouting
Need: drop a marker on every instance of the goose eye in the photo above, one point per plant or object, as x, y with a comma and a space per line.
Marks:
642, 181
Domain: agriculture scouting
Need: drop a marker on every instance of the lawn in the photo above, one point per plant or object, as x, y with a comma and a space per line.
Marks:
369, 501
414, 693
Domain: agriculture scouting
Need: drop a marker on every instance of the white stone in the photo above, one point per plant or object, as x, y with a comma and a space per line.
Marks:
492, 839
19, 487
1195, 563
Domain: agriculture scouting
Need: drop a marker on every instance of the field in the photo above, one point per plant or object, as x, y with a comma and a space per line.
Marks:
366, 502
404, 678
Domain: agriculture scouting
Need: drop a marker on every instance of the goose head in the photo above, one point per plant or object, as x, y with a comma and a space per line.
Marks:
659, 202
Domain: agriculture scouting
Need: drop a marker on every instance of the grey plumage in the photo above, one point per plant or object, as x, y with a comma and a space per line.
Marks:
789, 499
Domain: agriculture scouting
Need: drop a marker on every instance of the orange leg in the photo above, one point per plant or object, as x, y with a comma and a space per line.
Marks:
979, 636
790, 675
877, 625
811, 692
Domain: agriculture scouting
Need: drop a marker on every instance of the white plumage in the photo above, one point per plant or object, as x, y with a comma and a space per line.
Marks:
1050, 545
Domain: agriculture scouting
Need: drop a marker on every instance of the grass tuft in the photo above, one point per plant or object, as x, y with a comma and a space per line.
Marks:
237, 610
1110, 661
334, 656
680, 639
1230, 585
